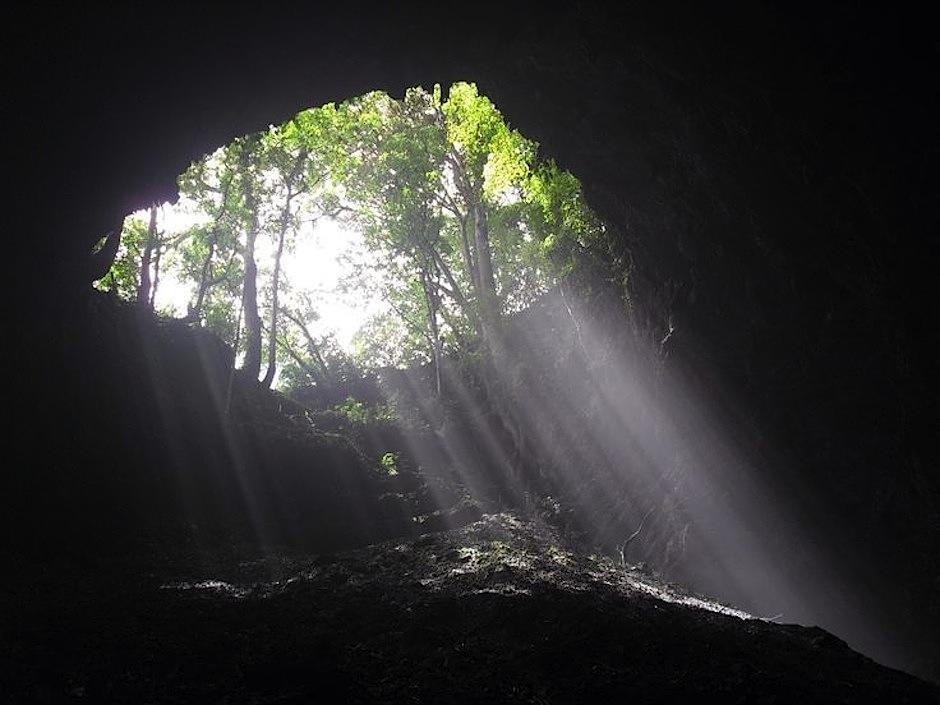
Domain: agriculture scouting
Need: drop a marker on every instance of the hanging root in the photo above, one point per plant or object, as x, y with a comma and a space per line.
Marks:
622, 548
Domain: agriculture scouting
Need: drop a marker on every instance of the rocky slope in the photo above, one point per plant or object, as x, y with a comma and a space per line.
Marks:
502, 610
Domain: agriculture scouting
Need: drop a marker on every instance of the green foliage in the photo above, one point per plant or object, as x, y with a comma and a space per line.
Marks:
352, 409
386, 340
482, 138
558, 217
359, 413
423, 178
389, 462
416, 168
220, 315
124, 275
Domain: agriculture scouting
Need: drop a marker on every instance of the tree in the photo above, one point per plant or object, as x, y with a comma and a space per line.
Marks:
439, 184
292, 185
122, 277
148, 246
307, 354
209, 257
132, 273
249, 178
473, 226
296, 158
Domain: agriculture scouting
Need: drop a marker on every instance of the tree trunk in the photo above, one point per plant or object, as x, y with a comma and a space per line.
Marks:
272, 336
252, 363
276, 283
205, 275
468, 255
501, 366
204, 278
156, 275
486, 285
315, 376
312, 347
143, 288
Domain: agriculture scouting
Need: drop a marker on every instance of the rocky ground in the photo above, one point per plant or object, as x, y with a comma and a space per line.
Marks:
501, 610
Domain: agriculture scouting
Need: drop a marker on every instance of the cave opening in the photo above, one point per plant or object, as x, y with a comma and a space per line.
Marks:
721, 388
398, 270
414, 280
373, 232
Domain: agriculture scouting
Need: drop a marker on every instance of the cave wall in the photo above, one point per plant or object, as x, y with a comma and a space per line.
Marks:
766, 170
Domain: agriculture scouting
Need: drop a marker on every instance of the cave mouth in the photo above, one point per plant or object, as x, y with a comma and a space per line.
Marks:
377, 232
447, 326
770, 173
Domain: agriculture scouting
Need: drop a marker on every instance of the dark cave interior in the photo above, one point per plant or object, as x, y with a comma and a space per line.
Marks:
765, 171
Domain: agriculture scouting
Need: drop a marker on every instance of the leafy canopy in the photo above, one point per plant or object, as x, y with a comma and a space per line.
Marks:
440, 186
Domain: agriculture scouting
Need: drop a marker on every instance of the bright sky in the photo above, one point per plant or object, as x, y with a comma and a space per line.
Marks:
316, 266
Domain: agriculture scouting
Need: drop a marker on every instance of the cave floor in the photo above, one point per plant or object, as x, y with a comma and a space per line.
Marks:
497, 611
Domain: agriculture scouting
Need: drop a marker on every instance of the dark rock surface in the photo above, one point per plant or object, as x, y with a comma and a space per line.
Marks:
499, 611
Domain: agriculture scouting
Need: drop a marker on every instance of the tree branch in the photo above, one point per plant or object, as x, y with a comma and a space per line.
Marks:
311, 344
